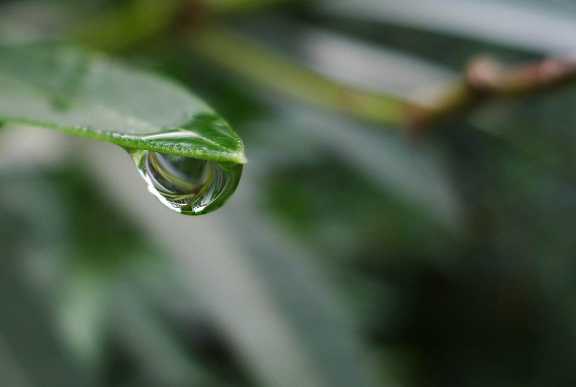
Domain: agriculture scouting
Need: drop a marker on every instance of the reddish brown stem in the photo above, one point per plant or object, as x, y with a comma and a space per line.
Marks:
488, 80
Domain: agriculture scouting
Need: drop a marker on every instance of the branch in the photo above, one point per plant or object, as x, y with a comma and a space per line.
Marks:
487, 80
263, 67
232, 6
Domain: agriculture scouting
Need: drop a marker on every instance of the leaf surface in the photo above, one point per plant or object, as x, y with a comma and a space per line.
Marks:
86, 94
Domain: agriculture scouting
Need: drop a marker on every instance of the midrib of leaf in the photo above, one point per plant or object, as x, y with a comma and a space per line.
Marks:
137, 142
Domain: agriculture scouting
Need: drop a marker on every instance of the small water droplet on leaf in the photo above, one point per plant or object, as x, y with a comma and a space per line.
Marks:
187, 185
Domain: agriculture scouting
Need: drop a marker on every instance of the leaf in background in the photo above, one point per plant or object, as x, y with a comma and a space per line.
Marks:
506, 22
85, 94
542, 126
29, 20
352, 61
414, 173
276, 313
32, 235
83, 288
40, 355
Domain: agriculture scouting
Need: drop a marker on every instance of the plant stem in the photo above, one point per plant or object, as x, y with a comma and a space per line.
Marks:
231, 6
486, 80
260, 65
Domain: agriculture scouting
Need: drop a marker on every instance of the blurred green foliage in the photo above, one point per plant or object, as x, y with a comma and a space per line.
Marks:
352, 255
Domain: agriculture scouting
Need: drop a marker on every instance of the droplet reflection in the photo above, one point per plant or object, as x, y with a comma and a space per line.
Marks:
187, 185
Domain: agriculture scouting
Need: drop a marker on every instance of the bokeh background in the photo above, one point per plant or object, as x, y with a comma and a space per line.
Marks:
351, 254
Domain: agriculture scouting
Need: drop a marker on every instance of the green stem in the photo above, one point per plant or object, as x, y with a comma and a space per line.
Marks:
231, 6
261, 66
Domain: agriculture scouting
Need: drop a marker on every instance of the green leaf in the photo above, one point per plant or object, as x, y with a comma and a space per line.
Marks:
261, 291
88, 95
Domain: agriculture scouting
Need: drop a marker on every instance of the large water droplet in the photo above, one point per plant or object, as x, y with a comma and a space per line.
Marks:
187, 185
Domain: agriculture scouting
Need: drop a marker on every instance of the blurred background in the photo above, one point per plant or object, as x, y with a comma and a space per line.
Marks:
351, 255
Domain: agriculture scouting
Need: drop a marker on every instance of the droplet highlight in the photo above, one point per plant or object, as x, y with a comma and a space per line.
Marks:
187, 185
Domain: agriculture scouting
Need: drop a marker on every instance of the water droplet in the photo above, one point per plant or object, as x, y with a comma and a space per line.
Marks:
187, 185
